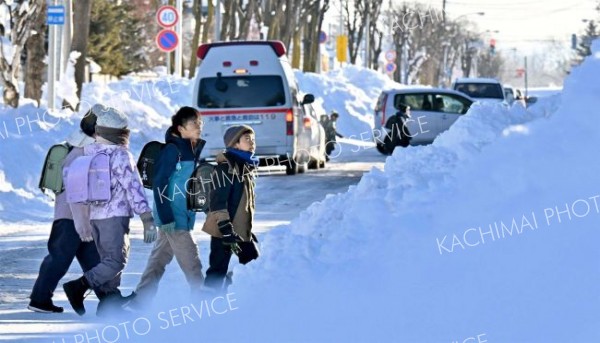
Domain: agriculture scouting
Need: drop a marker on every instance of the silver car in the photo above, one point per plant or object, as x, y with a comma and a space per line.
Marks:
433, 111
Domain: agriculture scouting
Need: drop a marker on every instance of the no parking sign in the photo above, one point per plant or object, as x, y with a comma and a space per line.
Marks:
390, 68
167, 40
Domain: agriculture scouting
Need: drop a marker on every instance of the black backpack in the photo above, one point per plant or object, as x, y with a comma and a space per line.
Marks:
51, 178
201, 184
147, 161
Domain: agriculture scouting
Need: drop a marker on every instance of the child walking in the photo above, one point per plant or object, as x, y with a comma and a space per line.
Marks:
110, 220
232, 204
70, 235
175, 164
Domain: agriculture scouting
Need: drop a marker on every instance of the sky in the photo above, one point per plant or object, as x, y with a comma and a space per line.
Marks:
519, 22
524, 21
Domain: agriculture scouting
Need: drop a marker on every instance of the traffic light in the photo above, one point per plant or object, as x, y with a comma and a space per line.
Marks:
492, 46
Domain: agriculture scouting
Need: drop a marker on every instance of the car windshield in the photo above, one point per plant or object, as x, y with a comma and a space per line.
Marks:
241, 91
481, 90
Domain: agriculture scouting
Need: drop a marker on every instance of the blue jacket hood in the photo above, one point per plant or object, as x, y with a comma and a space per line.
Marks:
185, 146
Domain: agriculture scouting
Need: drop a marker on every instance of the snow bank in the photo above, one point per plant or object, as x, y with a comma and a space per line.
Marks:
26, 134
351, 91
489, 232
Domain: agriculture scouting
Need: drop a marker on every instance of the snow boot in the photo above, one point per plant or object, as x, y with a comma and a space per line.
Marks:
112, 303
75, 291
44, 307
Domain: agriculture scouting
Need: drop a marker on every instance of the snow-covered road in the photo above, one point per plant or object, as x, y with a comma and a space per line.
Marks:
280, 199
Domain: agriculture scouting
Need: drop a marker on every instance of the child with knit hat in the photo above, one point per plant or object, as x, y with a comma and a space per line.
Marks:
232, 203
110, 220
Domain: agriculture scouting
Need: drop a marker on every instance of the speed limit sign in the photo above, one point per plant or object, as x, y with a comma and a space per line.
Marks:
167, 16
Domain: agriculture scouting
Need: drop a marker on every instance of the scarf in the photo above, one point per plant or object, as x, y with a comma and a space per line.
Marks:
249, 163
117, 136
245, 156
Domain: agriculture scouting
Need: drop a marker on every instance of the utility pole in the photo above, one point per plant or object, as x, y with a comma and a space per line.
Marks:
341, 21
67, 35
405, 59
367, 36
179, 48
526, 91
444, 12
52, 29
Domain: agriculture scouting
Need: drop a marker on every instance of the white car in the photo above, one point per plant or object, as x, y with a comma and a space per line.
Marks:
433, 111
252, 83
485, 90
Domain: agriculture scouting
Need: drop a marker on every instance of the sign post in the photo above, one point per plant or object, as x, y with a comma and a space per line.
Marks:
168, 17
56, 16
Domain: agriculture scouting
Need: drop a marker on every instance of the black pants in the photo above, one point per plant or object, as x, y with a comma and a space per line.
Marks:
329, 147
219, 258
64, 245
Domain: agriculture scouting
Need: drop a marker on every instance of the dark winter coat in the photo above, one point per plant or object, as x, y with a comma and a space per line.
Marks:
169, 184
331, 133
233, 197
398, 132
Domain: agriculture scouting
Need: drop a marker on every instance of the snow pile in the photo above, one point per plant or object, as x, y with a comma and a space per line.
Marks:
26, 134
351, 91
489, 232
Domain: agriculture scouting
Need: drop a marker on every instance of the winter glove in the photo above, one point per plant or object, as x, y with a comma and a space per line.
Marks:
230, 238
150, 231
167, 227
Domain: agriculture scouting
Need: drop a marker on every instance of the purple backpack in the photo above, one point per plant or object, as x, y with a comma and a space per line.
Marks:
88, 179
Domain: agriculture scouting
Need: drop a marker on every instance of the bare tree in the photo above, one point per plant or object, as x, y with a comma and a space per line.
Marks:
197, 6
34, 68
356, 23
414, 43
22, 15
81, 27
489, 65
312, 28
375, 35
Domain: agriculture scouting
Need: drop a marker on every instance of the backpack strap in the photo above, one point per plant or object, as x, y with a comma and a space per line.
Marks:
178, 166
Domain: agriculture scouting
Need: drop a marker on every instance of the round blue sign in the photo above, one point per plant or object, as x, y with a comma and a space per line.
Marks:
322, 37
167, 40
390, 67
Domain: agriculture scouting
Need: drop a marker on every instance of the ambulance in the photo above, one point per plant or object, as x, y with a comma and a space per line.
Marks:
252, 83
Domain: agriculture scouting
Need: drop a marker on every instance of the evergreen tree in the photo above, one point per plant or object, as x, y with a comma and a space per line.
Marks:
585, 41
115, 38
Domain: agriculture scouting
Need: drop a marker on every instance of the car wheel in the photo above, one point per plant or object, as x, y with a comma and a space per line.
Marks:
322, 163
313, 164
302, 168
381, 149
291, 168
